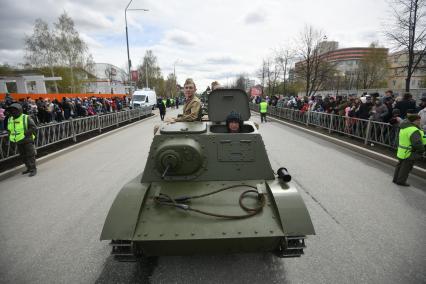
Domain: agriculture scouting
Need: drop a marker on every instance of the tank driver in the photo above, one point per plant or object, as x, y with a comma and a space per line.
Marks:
234, 122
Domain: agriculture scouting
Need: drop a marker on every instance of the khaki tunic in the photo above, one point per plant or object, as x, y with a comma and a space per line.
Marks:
191, 110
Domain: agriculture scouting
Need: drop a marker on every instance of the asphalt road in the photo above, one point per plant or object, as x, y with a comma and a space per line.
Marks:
368, 229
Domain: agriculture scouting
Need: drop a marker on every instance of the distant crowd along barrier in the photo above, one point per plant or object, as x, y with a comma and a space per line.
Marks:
363, 129
53, 133
59, 97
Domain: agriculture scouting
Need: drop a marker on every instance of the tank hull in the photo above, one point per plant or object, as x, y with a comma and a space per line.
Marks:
155, 230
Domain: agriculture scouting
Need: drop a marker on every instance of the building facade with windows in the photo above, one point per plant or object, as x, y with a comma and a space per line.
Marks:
398, 62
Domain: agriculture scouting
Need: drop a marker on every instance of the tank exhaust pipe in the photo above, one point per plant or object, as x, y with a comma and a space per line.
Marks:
284, 175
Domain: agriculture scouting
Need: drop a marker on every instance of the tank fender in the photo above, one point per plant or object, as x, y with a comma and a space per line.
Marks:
123, 215
293, 214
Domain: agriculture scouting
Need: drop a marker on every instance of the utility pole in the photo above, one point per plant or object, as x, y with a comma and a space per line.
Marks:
129, 62
174, 76
146, 74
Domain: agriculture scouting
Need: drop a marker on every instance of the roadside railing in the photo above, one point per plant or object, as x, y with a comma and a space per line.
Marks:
365, 130
49, 134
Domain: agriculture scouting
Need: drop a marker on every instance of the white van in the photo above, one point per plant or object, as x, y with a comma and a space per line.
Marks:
145, 97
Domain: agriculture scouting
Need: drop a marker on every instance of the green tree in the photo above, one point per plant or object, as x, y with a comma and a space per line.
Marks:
149, 72
170, 85
6, 70
42, 49
72, 49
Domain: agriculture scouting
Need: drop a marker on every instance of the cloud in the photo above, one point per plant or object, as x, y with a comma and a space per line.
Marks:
255, 18
222, 60
91, 42
207, 38
180, 37
11, 56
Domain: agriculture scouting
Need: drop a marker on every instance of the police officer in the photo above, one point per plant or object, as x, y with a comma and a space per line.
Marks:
411, 143
263, 109
161, 104
21, 129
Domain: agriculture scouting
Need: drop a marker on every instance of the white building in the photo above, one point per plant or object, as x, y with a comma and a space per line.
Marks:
109, 79
27, 84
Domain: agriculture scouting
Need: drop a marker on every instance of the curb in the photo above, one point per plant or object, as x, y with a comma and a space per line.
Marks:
420, 172
6, 174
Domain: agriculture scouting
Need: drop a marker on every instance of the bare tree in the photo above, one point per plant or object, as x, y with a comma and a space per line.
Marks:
314, 68
373, 68
408, 33
262, 74
273, 75
284, 58
110, 73
269, 74
41, 48
241, 82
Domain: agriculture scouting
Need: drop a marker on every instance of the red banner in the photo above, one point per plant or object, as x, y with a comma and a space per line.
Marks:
134, 75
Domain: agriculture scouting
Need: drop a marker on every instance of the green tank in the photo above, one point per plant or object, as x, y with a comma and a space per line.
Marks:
207, 191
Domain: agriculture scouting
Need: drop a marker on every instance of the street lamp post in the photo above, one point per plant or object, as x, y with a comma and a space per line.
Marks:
174, 77
129, 62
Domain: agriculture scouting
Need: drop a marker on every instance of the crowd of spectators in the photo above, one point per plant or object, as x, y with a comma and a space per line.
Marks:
389, 108
44, 110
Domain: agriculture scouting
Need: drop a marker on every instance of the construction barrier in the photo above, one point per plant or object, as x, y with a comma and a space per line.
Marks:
59, 97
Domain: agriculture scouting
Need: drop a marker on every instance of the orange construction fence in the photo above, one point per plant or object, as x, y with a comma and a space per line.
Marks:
59, 97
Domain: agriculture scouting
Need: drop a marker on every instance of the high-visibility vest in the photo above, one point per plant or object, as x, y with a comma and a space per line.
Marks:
164, 102
404, 144
17, 128
263, 107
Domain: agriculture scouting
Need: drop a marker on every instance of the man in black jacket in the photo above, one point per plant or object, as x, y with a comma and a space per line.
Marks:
365, 108
407, 104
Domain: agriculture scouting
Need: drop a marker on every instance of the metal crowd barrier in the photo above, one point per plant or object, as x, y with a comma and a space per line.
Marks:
49, 134
368, 131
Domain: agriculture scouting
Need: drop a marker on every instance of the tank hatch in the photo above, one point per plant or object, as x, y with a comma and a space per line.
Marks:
222, 101
184, 128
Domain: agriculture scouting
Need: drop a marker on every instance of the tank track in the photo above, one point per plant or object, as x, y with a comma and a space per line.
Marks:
291, 246
125, 251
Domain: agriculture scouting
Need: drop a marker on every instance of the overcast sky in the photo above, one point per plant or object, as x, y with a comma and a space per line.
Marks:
208, 40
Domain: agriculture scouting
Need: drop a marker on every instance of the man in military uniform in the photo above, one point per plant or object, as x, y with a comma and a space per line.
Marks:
192, 106
411, 144
21, 129
263, 109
